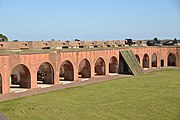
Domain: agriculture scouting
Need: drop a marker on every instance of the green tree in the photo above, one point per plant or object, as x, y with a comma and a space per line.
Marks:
15, 40
156, 40
3, 38
76, 40
175, 40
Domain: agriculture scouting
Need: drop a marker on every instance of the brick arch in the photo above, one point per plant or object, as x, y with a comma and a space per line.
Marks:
12, 66
66, 72
137, 57
171, 59
41, 62
85, 58
20, 74
100, 66
145, 61
84, 68
45, 73
113, 56
106, 60
154, 60
113, 65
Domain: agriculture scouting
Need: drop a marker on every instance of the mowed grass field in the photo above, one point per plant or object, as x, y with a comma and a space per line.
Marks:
153, 96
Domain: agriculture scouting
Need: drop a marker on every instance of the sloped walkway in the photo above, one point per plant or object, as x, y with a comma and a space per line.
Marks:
132, 62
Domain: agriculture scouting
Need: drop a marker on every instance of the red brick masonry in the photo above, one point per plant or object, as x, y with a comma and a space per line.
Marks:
55, 59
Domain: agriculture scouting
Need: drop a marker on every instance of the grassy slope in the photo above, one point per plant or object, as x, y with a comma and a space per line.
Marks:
154, 96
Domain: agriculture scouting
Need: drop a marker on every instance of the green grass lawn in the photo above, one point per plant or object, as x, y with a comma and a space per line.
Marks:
153, 96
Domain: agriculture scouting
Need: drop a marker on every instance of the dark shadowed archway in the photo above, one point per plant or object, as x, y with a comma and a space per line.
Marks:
154, 60
113, 65
138, 58
171, 59
45, 73
20, 77
0, 84
100, 67
145, 61
66, 71
84, 70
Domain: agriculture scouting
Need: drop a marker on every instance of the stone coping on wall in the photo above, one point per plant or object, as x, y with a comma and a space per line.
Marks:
44, 51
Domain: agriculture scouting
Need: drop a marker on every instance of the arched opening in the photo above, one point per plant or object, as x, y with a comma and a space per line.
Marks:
45, 74
146, 61
154, 60
84, 70
171, 59
66, 71
123, 67
0, 84
113, 65
20, 77
100, 67
137, 57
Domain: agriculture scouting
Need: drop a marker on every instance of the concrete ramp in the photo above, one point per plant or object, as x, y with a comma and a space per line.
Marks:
132, 62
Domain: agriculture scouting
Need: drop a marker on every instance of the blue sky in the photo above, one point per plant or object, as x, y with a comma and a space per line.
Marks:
89, 19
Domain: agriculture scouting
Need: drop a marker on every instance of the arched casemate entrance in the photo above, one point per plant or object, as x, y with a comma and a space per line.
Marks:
45, 74
145, 61
100, 67
137, 57
20, 77
66, 71
84, 70
113, 65
171, 59
0, 84
154, 60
